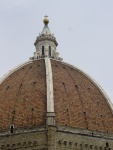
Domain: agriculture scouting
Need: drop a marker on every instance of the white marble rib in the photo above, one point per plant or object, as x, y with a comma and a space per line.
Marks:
49, 85
13, 70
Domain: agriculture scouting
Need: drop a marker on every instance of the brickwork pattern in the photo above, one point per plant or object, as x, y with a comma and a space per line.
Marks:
78, 102
23, 97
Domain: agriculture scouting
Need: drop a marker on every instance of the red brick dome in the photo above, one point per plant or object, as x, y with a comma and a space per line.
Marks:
78, 101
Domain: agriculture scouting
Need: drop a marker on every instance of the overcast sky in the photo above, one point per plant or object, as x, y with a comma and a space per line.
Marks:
83, 29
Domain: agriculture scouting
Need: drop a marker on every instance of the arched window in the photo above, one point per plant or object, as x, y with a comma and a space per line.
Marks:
11, 128
49, 50
42, 50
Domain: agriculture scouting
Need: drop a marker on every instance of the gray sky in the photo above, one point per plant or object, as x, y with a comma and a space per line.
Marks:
83, 29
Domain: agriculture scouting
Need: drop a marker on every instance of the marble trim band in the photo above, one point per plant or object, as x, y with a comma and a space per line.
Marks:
15, 69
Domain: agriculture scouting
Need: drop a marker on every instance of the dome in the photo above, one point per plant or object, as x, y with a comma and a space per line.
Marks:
47, 91
78, 101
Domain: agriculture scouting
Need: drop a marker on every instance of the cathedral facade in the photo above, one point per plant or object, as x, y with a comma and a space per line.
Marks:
47, 104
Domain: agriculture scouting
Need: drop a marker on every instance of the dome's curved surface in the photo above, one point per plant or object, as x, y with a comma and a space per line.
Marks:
78, 101
23, 97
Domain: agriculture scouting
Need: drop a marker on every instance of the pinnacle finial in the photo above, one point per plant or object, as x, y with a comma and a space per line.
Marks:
46, 20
